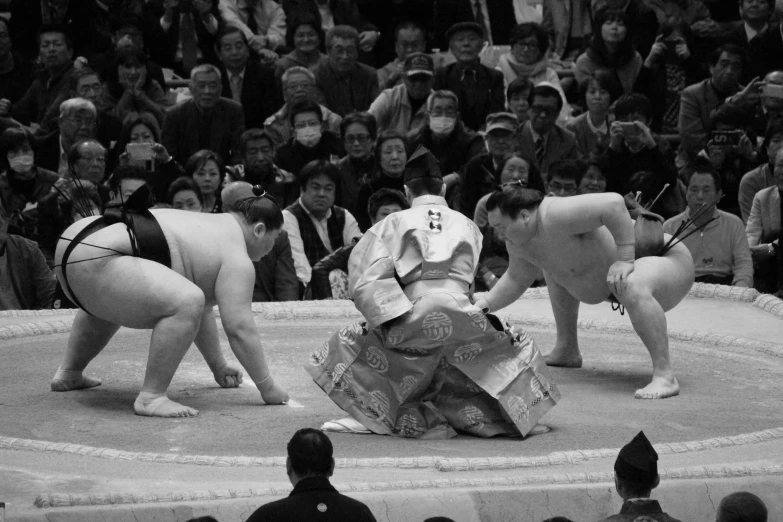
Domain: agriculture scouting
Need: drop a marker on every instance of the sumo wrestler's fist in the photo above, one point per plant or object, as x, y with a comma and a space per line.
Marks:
273, 393
228, 376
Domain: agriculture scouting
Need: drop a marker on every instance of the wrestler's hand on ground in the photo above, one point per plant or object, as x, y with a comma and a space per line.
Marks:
228, 376
617, 278
272, 393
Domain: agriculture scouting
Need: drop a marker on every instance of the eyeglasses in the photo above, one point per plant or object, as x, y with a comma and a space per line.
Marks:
361, 139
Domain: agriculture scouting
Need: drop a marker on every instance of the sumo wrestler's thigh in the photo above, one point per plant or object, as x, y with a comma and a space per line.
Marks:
669, 278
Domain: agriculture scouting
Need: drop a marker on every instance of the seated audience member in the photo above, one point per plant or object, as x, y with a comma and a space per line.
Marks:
206, 121
182, 34
262, 22
258, 168
635, 476
611, 48
634, 148
762, 176
391, 155
316, 226
30, 16
528, 60
481, 172
766, 51
23, 185
764, 230
720, 251
541, 138
245, 80
403, 108
770, 106
637, 12
330, 274
689, 11
344, 12
359, 132
16, 72
741, 507
410, 37
564, 177
569, 26
142, 128
208, 171
304, 36
184, 194
756, 16
27, 281
309, 466
132, 88
347, 85
515, 169
310, 141
667, 71
55, 52
76, 122
598, 92
699, 101
497, 19
479, 89
517, 94
298, 85
124, 181
593, 181
275, 273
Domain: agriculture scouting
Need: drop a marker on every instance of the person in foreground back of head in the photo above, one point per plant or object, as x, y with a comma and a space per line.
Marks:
635, 476
309, 465
741, 507
165, 270
427, 363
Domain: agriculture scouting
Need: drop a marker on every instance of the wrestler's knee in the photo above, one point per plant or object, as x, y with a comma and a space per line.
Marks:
189, 304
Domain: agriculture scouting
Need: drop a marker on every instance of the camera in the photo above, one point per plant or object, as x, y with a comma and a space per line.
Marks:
630, 129
772, 90
140, 151
730, 138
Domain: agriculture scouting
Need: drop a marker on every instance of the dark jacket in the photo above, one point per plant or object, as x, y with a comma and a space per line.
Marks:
292, 156
489, 95
352, 177
275, 273
449, 12
350, 93
182, 128
15, 83
647, 507
47, 151
766, 52
42, 93
479, 179
28, 18
32, 284
260, 96
314, 499
367, 190
163, 44
19, 204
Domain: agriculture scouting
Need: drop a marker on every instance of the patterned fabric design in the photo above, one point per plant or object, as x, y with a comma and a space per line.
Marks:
675, 83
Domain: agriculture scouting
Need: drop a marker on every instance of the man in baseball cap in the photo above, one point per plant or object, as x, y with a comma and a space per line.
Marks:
403, 108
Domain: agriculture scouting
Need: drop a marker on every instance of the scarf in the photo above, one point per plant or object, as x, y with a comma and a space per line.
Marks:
511, 68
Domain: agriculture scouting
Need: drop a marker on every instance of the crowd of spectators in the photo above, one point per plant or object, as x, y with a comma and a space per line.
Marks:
321, 102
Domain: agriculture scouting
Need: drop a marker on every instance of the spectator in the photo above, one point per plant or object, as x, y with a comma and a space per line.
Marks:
635, 476
26, 282
591, 129
611, 48
208, 171
667, 71
568, 25
316, 226
346, 84
410, 37
762, 176
763, 231
634, 148
403, 108
564, 177
76, 122
246, 81
643, 18
771, 106
258, 167
689, 11
527, 59
541, 138
594, 181
766, 52
515, 169
16, 72
741, 507
720, 251
756, 15
482, 172
298, 85
143, 128
309, 466
496, 18
698, 101
479, 89
132, 87
124, 182
391, 155
388, 16
29, 16
310, 142
517, 94
305, 37
184, 194
182, 34
330, 274
359, 132
261, 21
205, 122
55, 55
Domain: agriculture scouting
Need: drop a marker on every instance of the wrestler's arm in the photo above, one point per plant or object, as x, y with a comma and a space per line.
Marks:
519, 275
208, 343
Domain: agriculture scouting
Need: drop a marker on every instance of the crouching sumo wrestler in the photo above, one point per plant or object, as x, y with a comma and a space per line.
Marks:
164, 270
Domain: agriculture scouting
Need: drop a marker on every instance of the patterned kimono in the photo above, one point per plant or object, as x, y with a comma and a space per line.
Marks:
427, 362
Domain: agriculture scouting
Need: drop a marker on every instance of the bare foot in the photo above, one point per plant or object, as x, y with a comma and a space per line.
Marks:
564, 357
274, 394
67, 380
659, 388
161, 406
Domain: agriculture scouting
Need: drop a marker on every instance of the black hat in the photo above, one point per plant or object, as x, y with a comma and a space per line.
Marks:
637, 461
422, 164
465, 26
